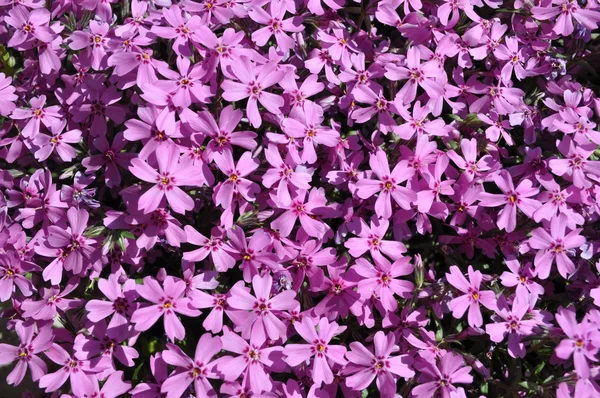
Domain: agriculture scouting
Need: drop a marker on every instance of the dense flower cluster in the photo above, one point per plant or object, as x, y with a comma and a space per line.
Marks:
300, 198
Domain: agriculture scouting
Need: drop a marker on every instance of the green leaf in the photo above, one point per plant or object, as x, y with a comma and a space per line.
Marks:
539, 368
127, 235
94, 231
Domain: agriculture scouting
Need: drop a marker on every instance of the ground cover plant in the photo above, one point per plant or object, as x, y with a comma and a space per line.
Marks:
289, 198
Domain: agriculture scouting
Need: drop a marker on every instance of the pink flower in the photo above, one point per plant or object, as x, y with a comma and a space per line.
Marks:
29, 26
380, 364
417, 74
110, 157
441, 377
12, 271
121, 303
304, 210
521, 277
32, 343
372, 239
52, 301
575, 164
7, 95
220, 252
512, 199
308, 128
173, 172
36, 116
285, 175
554, 246
188, 371
581, 342
253, 361
381, 281
57, 142
168, 301
183, 30
113, 387
95, 42
318, 347
514, 58
235, 183
81, 373
472, 296
223, 135
262, 321
566, 11
252, 85
510, 320
69, 246
276, 25
387, 185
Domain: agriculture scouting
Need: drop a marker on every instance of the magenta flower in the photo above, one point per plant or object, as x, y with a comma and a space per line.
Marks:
521, 277
7, 95
235, 183
29, 26
220, 252
185, 31
253, 361
36, 116
95, 43
173, 172
188, 371
223, 135
105, 343
121, 303
276, 25
113, 387
12, 271
52, 301
372, 239
417, 74
380, 364
110, 157
168, 301
25, 354
155, 129
308, 128
441, 377
514, 58
160, 371
567, 10
186, 86
58, 142
512, 199
262, 322
69, 246
381, 281
581, 342
575, 164
472, 296
510, 320
319, 347
252, 85
285, 175
81, 373
305, 210
387, 185
554, 246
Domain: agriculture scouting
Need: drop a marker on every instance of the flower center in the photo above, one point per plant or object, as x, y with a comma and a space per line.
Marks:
320, 347
167, 305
